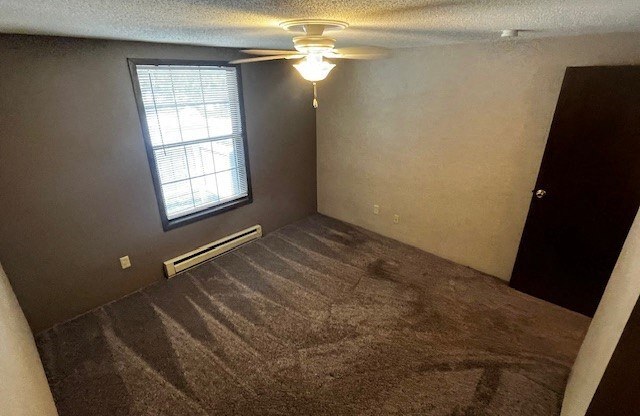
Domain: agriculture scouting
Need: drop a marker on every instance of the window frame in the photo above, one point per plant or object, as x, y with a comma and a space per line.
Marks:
169, 224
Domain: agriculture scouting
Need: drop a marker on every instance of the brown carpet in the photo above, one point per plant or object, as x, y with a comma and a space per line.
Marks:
317, 318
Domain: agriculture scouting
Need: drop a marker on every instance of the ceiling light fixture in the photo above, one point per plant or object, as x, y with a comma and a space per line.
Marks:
313, 47
313, 68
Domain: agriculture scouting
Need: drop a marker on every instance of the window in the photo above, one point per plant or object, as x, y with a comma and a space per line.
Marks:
192, 120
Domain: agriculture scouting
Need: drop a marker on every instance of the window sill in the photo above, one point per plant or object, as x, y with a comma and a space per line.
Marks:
209, 212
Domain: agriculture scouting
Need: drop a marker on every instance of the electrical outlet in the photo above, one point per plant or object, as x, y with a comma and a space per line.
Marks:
125, 262
376, 209
396, 218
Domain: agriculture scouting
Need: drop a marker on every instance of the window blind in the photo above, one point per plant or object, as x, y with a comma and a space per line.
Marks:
195, 129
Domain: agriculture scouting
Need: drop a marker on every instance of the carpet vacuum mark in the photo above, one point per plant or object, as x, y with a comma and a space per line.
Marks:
317, 318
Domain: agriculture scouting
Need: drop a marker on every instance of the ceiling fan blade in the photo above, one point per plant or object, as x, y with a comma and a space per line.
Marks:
358, 52
269, 52
353, 56
265, 58
362, 49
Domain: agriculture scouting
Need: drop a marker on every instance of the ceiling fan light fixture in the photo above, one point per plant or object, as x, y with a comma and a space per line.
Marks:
313, 68
313, 47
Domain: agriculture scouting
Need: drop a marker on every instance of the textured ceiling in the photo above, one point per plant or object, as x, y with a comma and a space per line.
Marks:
254, 23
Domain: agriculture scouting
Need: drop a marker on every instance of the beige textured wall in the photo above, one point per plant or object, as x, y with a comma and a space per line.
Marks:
24, 390
606, 327
450, 138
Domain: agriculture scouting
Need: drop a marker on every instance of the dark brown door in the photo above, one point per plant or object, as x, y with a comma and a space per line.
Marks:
587, 192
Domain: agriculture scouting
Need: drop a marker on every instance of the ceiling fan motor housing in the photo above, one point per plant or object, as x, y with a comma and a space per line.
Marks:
313, 44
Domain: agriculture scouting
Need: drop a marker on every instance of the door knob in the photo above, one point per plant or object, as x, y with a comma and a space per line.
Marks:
540, 193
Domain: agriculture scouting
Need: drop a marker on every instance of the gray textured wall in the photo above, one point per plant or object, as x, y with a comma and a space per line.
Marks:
75, 186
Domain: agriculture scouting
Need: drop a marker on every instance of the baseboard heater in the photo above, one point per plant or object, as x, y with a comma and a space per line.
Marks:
211, 250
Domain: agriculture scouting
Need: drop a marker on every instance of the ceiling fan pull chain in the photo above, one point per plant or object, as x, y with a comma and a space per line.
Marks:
315, 96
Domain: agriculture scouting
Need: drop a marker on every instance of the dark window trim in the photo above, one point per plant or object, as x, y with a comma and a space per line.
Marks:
168, 224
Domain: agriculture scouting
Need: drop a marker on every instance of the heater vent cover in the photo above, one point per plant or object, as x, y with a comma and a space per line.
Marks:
211, 250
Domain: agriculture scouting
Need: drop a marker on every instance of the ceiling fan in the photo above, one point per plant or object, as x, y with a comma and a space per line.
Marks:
313, 47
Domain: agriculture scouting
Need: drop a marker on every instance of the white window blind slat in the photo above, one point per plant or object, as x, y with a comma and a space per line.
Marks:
195, 129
